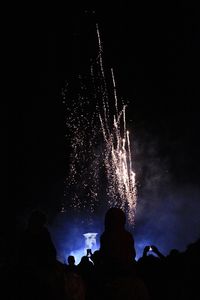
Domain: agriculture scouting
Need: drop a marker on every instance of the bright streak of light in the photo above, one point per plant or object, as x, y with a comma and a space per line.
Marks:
118, 161
87, 128
121, 177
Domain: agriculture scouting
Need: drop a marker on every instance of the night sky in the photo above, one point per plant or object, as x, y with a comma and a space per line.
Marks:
154, 51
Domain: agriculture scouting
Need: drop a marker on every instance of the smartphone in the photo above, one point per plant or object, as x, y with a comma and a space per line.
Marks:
89, 252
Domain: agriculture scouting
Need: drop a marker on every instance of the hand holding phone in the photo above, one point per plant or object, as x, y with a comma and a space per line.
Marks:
89, 253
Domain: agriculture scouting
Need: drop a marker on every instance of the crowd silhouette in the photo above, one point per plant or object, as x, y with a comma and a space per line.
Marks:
111, 272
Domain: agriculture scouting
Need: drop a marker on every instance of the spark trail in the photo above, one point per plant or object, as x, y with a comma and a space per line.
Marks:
88, 126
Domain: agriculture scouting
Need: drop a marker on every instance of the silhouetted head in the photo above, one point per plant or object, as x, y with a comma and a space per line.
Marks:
115, 218
174, 253
71, 260
37, 220
96, 257
84, 260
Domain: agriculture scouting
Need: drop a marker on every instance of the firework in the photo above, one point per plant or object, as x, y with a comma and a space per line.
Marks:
87, 126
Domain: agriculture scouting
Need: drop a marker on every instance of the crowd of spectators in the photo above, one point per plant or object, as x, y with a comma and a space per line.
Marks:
111, 272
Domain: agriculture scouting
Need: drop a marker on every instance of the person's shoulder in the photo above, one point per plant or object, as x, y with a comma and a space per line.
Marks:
128, 234
102, 236
45, 233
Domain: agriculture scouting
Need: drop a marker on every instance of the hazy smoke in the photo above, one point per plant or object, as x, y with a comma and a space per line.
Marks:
167, 215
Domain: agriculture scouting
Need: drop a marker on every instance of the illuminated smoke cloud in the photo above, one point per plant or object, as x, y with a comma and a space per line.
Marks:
90, 240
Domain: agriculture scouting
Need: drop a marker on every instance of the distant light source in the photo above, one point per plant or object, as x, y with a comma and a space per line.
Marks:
90, 240
90, 243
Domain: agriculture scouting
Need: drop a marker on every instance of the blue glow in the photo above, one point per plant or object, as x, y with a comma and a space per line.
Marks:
160, 222
79, 253
90, 243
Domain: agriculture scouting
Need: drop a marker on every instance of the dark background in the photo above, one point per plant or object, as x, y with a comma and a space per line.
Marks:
154, 50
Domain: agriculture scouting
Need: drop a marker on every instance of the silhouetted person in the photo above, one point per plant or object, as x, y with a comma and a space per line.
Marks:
116, 243
96, 258
37, 248
85, 268
71, 260
152, 249
118, 269
75, 287
71, 267
151, 270
41, 276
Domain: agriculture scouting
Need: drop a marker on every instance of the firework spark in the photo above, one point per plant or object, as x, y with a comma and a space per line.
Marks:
118, 162
87, 127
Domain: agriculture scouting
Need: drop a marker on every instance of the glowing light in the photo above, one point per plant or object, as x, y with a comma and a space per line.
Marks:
90, 243
87, 128
118, 162
90, 240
